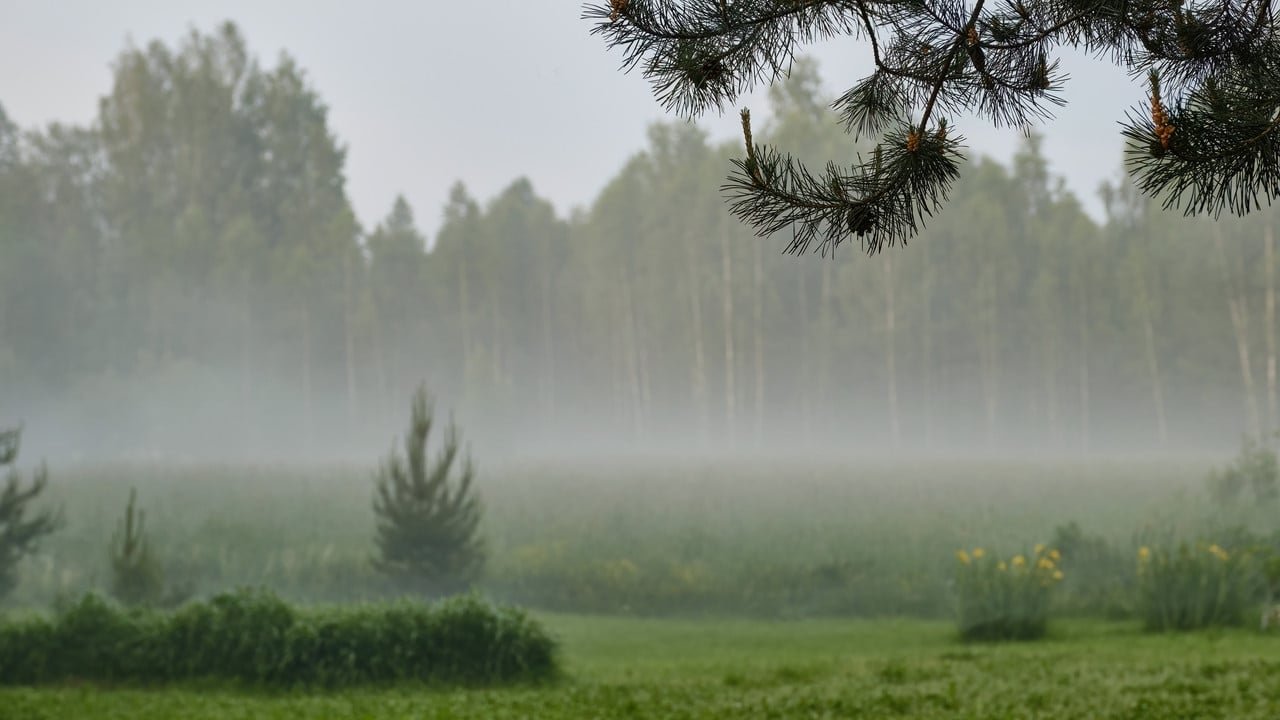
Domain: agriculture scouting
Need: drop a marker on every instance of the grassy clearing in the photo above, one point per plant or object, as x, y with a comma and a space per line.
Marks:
761, 539
752, 669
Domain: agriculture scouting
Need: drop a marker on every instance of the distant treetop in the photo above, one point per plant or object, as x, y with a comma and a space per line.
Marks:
1203, 139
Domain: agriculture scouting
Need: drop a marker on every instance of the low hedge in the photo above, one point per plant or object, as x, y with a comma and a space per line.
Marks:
253, 637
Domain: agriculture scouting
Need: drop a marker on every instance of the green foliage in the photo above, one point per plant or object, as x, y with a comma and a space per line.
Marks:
1005, 599
253, 637
137, 575
762, 539
1207, 143
20, 528
199, 306
1255, 470
744, 670
1098, 576
428, 521
1189, 586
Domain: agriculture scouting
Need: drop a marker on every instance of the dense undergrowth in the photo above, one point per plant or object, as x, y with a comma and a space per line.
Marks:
255, 638
771, 540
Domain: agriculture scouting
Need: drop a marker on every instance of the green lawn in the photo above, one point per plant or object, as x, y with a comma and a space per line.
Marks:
811, 669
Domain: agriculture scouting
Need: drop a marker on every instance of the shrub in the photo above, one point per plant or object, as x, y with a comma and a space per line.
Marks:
253, 637
1255, 469
19, 532
1192, 586
428, 524
136, 576
1099, 577
999, 599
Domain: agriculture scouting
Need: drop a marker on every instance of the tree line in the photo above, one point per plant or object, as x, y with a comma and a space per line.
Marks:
186, 276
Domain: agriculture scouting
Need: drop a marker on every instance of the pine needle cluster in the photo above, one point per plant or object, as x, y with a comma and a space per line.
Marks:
1203, 139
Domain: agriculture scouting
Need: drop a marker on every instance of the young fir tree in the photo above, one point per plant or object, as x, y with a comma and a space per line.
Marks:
136, 575
20, 529
1204, 138
427, 533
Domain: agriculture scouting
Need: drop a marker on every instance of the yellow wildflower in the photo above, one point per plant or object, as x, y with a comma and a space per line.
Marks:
1218, 552
1019, 561
1001, 566
1039, 549
1144, 553
1045, 564
1057, 574
963, 557
1054, 555
978, 553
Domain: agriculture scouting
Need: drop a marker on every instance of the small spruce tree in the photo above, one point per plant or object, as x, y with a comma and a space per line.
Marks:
19, 531
136, 576
427, 532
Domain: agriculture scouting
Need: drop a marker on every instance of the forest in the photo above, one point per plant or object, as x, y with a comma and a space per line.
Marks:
186, 278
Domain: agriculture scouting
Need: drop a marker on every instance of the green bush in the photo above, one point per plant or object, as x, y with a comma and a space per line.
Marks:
255, 638
1000, 599
1187, 587
1255, 469
1099, 576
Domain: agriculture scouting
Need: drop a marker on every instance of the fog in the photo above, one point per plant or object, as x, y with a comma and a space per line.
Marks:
212, 259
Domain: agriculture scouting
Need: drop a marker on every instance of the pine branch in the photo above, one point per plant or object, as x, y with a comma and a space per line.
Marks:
1212, 148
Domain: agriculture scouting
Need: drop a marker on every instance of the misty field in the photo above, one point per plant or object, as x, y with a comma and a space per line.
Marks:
765, 539
801, 669
704, 589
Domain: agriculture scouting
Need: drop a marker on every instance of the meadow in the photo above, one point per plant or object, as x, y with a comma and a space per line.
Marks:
764, 539
704, 589
664, 668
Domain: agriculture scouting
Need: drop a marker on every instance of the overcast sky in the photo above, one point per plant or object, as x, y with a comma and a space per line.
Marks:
426, 93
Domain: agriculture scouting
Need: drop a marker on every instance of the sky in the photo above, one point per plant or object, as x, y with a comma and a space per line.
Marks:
424, 94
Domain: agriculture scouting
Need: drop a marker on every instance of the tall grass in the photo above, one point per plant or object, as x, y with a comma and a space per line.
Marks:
1188, 586
766, 539
254, 637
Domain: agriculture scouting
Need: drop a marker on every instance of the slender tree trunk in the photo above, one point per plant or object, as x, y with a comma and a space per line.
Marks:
548, 380
806, 356
1149, 347
758, 320
699, 351
619, 375
464, 314
635, 393
826, 325
1240, 325
495, 336
1085, 423
927, 345
249, 426
891, 355
990, 351
348, 342
1153, 369
308, 407
380, 362
1049, 351
1269, 317
726, 294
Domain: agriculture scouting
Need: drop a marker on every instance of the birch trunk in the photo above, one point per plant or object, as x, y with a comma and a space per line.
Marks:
726, 295
758, 312
1240, 325
891, 359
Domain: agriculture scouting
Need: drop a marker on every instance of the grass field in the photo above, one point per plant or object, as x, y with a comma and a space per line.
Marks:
637, 668
765, 539
839, 577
